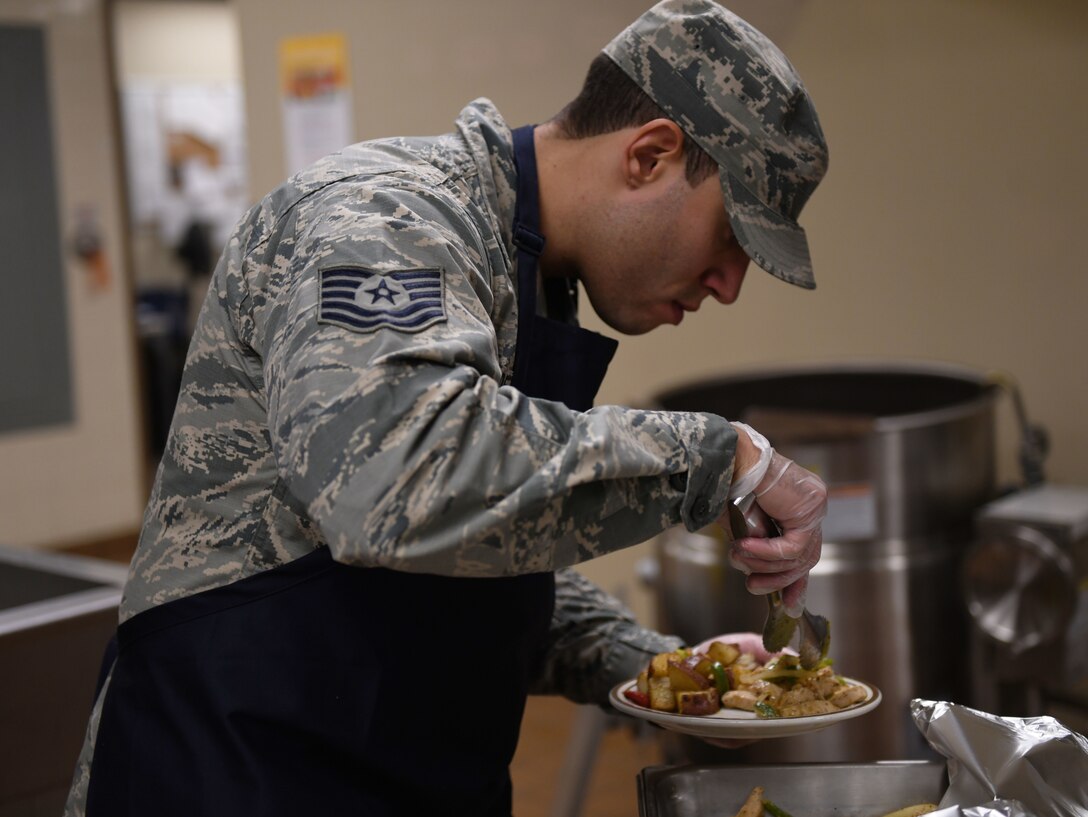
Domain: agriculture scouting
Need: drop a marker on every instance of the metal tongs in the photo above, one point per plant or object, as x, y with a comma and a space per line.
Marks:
746, 518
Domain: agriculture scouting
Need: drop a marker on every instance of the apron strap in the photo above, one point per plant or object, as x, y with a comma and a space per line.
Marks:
529, 242
554, 359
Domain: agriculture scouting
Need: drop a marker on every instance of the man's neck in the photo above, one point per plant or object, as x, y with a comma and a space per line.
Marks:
567, 195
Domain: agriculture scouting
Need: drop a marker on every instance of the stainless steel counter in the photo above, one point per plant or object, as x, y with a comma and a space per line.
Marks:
809, 789
56, 614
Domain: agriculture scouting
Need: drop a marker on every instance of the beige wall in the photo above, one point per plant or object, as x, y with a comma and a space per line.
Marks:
84, 480
414, 66
947, 228
176, 41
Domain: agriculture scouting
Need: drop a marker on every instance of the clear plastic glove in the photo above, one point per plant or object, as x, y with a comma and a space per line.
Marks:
796, 499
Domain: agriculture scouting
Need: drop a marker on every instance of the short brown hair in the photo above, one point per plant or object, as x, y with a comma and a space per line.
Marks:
610, 101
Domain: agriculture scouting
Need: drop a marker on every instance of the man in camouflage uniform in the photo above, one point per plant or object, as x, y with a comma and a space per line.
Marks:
355, 561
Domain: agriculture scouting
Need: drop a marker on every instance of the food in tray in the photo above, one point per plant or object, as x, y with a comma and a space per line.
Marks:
916, 810
685, 682
756, 805
753, 805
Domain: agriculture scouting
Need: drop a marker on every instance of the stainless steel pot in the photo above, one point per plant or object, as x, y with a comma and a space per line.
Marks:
907, 451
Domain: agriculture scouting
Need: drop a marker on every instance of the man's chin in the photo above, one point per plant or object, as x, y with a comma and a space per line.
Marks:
629, 323
631, 330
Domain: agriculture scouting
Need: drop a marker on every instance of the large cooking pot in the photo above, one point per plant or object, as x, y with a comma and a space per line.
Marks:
907, 452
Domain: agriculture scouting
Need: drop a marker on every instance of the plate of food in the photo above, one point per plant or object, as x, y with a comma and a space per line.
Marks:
728, 694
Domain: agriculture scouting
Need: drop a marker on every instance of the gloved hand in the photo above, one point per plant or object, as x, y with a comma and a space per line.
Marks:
796, 499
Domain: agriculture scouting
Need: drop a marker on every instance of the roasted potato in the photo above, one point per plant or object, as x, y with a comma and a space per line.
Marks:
701, 702
701, 663
685, 679
662, 698
724, 654
659, 664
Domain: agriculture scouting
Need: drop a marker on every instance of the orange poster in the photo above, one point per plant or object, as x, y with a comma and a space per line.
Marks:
316, 90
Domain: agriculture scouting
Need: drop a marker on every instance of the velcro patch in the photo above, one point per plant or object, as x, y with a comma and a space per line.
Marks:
363, 300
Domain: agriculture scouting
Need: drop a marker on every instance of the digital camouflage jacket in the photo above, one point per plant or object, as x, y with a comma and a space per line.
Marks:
347, 386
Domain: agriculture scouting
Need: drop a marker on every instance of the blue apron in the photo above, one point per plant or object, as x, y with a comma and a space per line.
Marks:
321, 688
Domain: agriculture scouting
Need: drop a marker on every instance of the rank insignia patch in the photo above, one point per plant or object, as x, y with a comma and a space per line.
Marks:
364, 301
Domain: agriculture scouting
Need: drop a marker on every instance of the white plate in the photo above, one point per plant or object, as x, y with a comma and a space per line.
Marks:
736, 723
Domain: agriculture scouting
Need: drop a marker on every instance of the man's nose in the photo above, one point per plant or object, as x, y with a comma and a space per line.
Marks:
725, 281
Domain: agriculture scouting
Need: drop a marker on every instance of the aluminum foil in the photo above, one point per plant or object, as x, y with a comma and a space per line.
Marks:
1005, 767
995, 808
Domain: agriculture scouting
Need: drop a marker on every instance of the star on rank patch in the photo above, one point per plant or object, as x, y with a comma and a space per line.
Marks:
364, 301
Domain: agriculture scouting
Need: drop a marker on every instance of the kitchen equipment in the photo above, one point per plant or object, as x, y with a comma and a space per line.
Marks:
907, 452
1022, 575
1025, 580
56, 614
811, 789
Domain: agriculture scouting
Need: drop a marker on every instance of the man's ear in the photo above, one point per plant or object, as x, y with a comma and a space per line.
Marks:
652, 149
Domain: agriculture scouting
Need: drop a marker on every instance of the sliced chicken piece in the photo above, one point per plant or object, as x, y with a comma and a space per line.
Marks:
848, 696
739, 699
767, 691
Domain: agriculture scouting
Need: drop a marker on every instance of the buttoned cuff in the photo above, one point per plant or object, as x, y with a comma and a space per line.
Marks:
705, 485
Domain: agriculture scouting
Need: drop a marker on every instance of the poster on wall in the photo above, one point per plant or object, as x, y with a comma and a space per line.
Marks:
185, 148
316, 98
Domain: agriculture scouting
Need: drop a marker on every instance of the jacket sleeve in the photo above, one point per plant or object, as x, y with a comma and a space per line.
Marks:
594, 642
410, 453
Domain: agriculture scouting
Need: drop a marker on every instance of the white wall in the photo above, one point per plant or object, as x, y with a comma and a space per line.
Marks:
85, 480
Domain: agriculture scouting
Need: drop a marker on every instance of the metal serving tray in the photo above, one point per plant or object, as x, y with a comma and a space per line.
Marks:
802, 789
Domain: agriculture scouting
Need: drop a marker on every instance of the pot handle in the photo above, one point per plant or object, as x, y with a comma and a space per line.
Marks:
1034, 440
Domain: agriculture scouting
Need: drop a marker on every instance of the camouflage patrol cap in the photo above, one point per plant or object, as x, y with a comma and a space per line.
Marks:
737, 96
